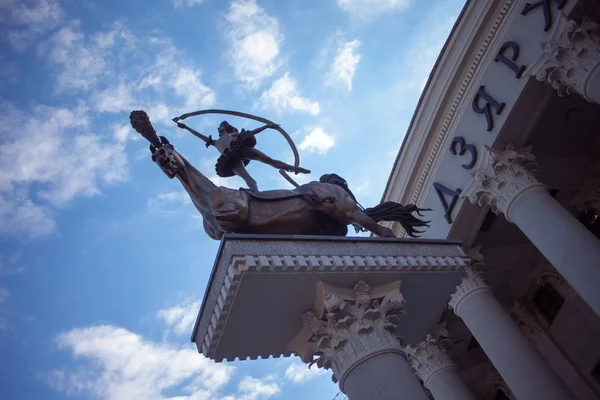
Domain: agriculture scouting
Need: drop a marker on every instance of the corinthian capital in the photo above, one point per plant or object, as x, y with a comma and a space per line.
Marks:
501, 176
430, 356
569, 56
471, 283
349, 325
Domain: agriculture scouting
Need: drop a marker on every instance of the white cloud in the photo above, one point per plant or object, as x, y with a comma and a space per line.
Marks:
300, 373
124, 132
180, 318
186, 82
257, 389
283, 96
120, 364
341, 72
20, 217
82, 63
28, 20
317, 141
233, 182
255, 40
115, 99
168, 203
52, 160
90, 63
185, 3
366, 10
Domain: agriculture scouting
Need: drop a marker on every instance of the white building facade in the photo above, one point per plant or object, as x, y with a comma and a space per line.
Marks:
504, 148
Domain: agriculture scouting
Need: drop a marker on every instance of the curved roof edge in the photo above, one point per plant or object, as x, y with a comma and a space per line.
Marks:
442, 62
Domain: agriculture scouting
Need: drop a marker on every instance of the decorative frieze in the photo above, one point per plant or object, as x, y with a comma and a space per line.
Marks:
552, 277
528, 324
569, 56
501, 177
471, 283
350, 326
494, 382
588, 197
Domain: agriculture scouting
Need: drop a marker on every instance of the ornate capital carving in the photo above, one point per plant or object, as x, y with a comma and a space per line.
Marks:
471, 283
557, 281
528, 324
474, 253
348, 326
494, 382
569, 56
501, 177
431, 355
588, 197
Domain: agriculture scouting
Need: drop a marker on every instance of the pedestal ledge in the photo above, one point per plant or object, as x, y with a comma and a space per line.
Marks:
262, 284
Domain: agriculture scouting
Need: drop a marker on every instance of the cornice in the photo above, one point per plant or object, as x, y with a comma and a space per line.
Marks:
242, 265
421, 149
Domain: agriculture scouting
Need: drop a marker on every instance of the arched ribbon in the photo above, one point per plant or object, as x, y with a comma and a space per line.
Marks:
259, 119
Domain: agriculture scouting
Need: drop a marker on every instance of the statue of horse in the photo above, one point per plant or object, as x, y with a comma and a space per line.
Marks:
326, 207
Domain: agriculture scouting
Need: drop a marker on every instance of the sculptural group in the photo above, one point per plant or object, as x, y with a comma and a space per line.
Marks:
325, 207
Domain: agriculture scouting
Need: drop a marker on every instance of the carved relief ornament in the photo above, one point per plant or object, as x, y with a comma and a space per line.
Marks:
569, 56
471, 283
349, 326
431, 355
501, 177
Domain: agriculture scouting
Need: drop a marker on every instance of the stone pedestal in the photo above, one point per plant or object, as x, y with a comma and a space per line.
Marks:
333, 301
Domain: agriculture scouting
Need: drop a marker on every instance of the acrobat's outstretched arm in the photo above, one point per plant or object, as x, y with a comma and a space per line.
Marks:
208, 140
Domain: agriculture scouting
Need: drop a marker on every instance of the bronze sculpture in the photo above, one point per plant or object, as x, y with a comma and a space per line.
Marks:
326, 207
237, 149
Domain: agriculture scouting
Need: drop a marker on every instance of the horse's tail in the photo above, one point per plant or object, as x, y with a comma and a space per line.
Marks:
392, 211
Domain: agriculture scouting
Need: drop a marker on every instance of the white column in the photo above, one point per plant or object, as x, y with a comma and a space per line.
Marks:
517, 361
505, 181
433, 365
570, 59
551, 353
351, 332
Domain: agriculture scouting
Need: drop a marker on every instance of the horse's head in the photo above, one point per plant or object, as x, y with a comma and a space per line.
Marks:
169, 160
335, 179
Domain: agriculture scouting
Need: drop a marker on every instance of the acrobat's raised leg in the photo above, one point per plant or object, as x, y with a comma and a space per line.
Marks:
367, 222
257, 155
243, 173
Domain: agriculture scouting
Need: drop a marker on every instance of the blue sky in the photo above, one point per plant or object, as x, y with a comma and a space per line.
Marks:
103, 260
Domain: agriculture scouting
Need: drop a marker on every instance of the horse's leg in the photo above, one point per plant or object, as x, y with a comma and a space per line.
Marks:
242, 172
257, 155
367, 222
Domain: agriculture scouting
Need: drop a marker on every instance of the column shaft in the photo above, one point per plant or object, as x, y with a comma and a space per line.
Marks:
448, 385
569, 246
517, 361
383, 377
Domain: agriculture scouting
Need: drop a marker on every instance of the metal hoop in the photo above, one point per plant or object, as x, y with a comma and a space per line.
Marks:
255, 118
